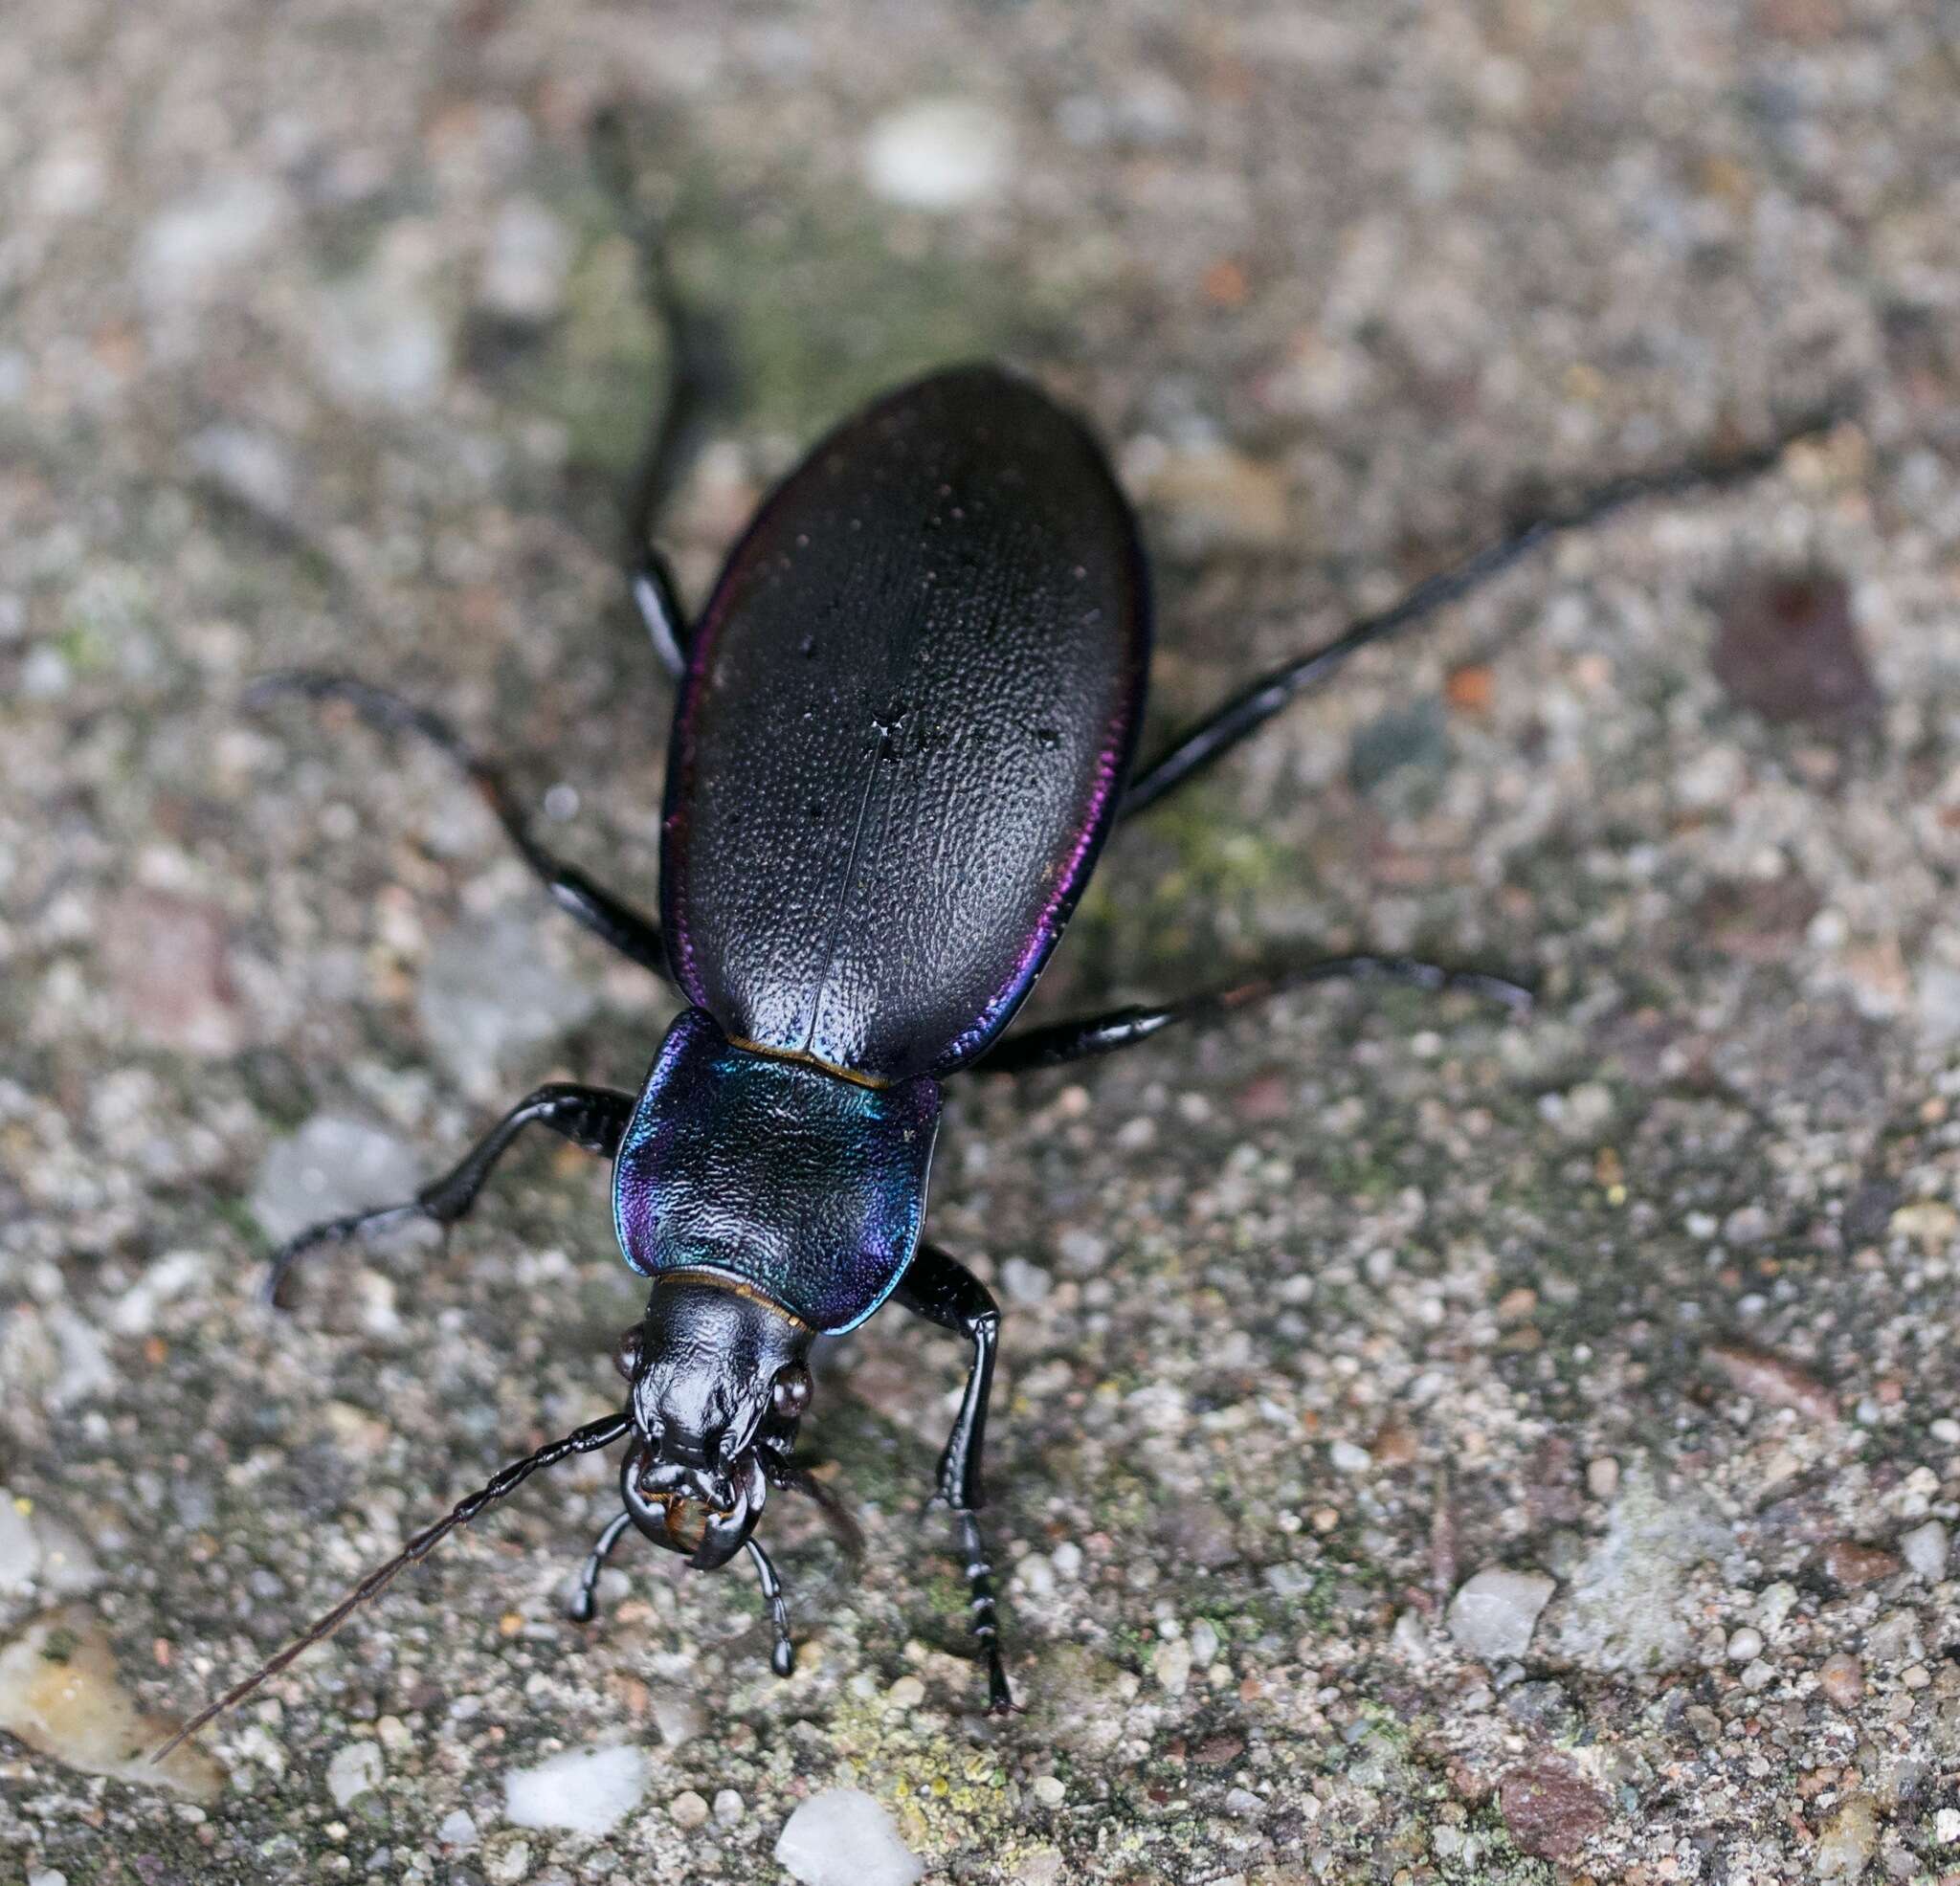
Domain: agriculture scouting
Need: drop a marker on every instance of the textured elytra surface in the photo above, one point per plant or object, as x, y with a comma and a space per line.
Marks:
317, 349
904, 725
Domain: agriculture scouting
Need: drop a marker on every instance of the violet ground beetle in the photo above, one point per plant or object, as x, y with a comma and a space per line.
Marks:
904, 728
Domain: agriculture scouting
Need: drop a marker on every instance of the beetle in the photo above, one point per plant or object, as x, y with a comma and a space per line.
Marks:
905, 726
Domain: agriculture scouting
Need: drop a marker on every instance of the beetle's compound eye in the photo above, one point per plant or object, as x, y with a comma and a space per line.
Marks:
625, 1353
792, 1392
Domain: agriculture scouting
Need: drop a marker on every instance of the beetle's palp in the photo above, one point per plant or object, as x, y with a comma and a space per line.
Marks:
594, 1435
843, 1529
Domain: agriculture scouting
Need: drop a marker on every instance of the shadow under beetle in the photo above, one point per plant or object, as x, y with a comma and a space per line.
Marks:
905, 727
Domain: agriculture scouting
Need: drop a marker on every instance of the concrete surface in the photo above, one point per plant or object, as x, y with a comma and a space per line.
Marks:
1428, 1450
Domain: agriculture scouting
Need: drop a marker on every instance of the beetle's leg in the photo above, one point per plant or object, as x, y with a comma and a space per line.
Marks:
941, 1290
1089, 1035
608, 917
697, 375
782, 1652
593, 1118
659, 603
1198, 747
584, 1604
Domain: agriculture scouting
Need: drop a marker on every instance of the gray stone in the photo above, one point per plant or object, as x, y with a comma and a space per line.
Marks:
1495, 1611
490, 994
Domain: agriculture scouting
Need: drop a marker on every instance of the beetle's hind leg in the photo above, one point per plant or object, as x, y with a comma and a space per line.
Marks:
591, 1117
609, 918
1088, 1035
944, 1292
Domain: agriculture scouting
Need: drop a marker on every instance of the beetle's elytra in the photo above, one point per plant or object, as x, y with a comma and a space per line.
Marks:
904, 728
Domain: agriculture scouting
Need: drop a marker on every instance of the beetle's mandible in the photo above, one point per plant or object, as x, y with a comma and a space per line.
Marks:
905, 727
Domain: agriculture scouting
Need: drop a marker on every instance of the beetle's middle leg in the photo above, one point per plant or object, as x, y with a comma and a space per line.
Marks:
591, 1117
943, 1291
1195, 749
609, 918
1086, 1037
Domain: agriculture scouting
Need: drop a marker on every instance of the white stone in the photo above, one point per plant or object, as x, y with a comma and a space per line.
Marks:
356, 1769
1494, 1613
938, 154
585, 1790
380, 342
1348, 1458
1745, 1645
20, 1551
845, 1838
527, 263
1171, 1665
678, 1718
184, 249
1924, 1549
166, 1277
1025, 1282
458, 1830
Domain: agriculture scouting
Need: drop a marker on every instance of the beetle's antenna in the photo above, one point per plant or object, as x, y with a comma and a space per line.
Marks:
783, 1657
507, 1480
843, 1529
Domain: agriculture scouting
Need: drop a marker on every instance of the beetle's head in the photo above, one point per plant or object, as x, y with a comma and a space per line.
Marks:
719, 1382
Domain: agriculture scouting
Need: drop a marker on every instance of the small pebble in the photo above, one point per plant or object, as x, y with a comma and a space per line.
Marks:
687, 1810
1946, 1827
1348, 1459
1204, 1642
1848, 1840
585, 1790
729, 1806
1494, 1613
1758, 1674
1924, 1549
677, 1719
1050, 1792
907, 1692
20, 1551
508, 1862
458, 1830
1842, 1678
1745, 1645
1602, 1477
844, 1837
356, 1769
938, 154
1171, 1665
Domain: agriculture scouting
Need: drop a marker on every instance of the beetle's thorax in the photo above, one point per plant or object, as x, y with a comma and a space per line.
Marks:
773, 1176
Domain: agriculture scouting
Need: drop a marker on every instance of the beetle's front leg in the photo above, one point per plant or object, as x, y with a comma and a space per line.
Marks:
943, 1291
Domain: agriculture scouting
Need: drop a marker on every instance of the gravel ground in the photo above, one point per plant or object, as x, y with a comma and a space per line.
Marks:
1429, 1449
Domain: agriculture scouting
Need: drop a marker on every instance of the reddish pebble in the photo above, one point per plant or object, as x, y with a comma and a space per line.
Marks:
1842, 1678
1788, 646
1849, 1564
1550, 1808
